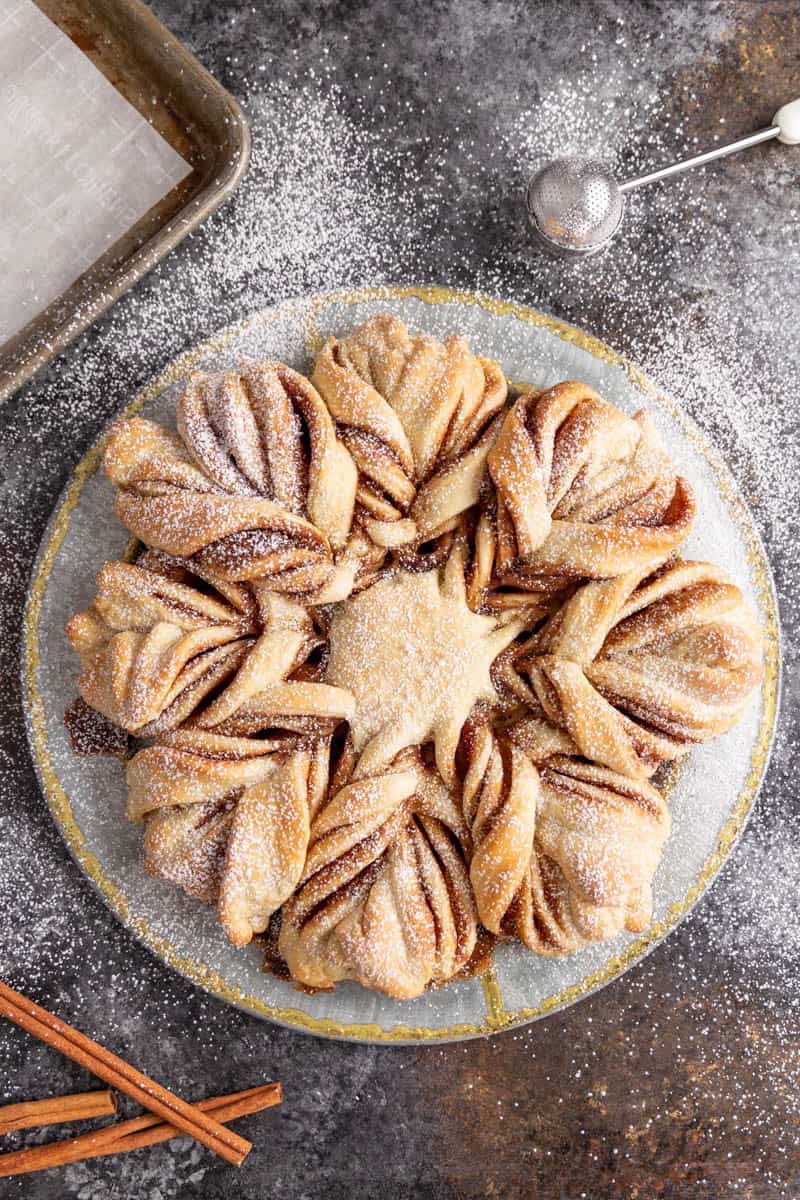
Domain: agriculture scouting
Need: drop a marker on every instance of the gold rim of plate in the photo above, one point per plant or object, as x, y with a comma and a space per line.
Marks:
497, 1018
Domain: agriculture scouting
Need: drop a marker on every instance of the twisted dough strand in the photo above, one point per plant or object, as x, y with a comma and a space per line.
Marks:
385, 897
152, 649
638, 672
263, 430
228, 819
582, 491
414, 413
563, 851
172, 506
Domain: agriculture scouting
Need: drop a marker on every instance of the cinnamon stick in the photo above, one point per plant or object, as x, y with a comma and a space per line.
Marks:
115, 1071
132, 1135
55, 1110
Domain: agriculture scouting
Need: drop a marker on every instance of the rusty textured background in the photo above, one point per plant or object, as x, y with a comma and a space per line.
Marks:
680, 1081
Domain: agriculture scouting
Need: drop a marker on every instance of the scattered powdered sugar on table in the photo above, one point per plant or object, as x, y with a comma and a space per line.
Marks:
362, 183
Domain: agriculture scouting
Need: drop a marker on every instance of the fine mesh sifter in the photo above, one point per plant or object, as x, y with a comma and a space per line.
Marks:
575, 204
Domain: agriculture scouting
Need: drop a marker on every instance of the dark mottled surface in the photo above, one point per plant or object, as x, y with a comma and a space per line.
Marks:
680, 1081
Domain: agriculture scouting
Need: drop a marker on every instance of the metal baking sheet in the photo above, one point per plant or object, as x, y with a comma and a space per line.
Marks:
199, 122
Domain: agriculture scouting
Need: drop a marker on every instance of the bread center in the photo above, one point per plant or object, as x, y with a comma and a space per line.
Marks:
415, 658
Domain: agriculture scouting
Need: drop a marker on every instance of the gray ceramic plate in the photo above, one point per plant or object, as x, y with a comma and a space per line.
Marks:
710, 799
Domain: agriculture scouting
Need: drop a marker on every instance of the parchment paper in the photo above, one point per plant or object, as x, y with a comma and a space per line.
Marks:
78, 164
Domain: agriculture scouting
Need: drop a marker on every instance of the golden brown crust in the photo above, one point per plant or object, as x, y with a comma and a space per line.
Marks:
636, 672
173, 506
156, 654
228, 820
564, 852
263, 430
151, 649
416, 415
385, 897
583, 492
266, 848
186, 846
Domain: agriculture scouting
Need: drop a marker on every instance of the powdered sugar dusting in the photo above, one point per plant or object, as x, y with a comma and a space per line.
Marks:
401, 193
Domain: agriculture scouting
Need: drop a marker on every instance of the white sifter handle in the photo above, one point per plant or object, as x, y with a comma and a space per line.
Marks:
785, 127
788, 121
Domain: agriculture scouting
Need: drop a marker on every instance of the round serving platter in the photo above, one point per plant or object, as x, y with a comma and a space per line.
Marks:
710, 796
